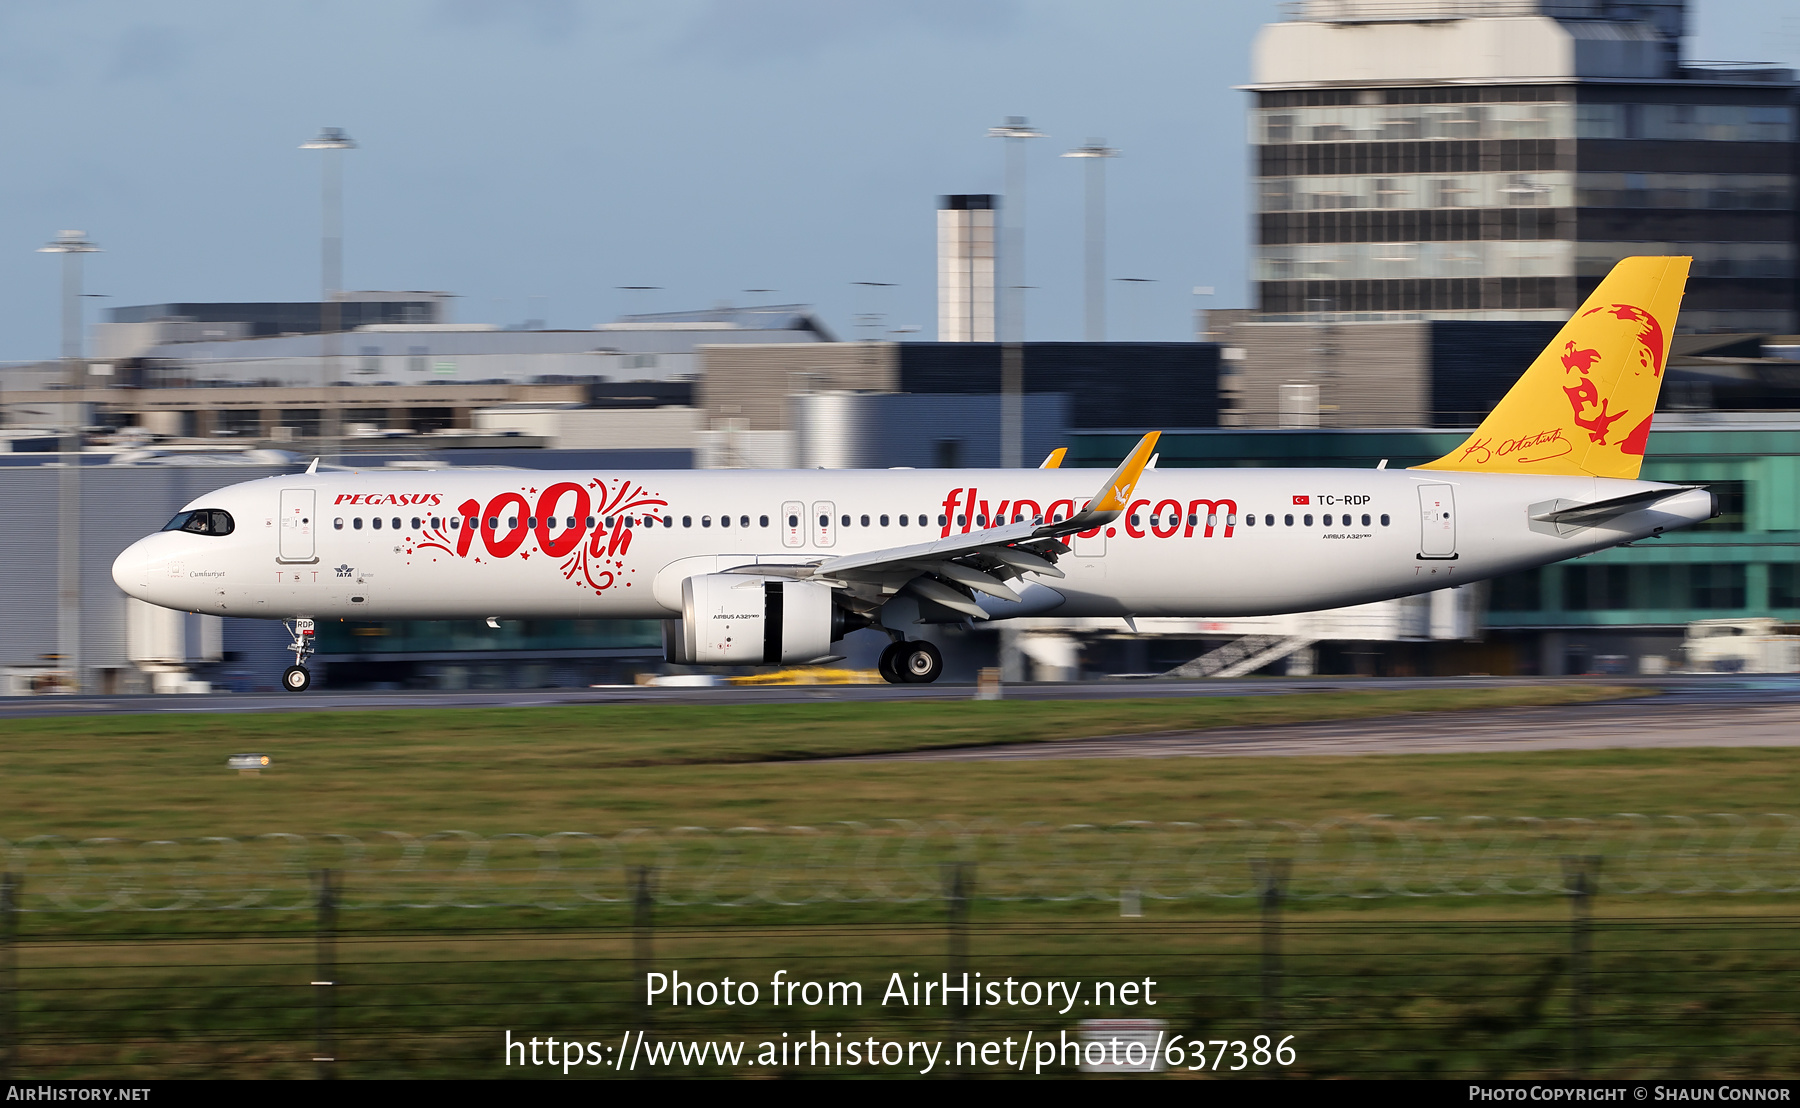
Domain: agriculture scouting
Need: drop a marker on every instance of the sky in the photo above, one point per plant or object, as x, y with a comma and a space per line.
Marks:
533, 156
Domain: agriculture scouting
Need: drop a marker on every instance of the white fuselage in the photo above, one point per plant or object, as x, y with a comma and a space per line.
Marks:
396, 545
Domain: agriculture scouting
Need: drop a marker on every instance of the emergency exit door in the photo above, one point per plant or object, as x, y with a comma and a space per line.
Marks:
793, 524
296, 526
1437, 521
824, 526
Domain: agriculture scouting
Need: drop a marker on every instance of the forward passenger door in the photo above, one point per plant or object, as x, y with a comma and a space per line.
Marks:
297, 526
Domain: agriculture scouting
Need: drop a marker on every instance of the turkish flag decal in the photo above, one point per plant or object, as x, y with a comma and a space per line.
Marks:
1303, 500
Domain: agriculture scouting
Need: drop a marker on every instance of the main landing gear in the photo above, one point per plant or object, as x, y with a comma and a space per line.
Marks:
910, 663
297, 678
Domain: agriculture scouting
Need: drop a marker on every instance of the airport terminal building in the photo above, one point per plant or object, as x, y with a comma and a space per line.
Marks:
1444, 159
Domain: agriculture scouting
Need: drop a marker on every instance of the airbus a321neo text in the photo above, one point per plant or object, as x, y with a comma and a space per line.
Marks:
774, 566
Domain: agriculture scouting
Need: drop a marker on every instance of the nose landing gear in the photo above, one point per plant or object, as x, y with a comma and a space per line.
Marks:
910, 663
297, 678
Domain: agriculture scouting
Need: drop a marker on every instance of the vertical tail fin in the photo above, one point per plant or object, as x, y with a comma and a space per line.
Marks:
1584, 406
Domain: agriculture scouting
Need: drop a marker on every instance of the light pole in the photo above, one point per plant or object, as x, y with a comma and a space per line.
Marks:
1096, 152
1136, 308
1012, 269
1011, 276
332, 140
636, 301
71, 245
874, 320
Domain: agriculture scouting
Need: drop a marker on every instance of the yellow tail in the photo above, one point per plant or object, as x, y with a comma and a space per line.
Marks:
1584, 406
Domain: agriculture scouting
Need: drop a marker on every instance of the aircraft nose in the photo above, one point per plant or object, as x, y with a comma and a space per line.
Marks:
129, 570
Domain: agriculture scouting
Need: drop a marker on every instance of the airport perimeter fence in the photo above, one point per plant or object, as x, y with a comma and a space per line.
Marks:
900, 861
1379, 947
1267, 992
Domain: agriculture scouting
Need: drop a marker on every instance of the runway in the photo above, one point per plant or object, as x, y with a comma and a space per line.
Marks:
1703, 712
1689, 711
324, 700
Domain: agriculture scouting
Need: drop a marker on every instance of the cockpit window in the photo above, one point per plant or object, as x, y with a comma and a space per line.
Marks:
206, 521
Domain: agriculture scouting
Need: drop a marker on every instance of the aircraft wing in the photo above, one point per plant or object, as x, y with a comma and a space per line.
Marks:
950, 570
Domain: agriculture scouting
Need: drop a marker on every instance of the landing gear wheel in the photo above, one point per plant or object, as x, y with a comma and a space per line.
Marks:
888, 665
920, 663
296, 679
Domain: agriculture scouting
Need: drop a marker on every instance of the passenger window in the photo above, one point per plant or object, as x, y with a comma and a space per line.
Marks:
415, 523
762, 521
793, 521
1384, 519
376, 523
1250, 521
1288, 519
941, 520
1135, 521
628, 522
1307, 518
687, 521
356, 524
493, 522
724, 521
1269, 521
436, 522
456, 523
1230, 520
512, 523
903, 521
609, 521
570, 523
824, 521
743, 521
590, 523
1365, 519
865, 521
337, 524
884, 521
706, 521
1193, 520
962, 521
1328, 520
531, 522
846, 521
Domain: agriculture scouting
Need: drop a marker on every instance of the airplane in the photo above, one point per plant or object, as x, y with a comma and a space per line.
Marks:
773, 567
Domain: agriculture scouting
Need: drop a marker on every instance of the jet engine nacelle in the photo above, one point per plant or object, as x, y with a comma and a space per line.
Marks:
731, 619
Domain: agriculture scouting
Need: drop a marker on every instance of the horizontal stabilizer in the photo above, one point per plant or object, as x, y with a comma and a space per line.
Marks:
1607, 509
